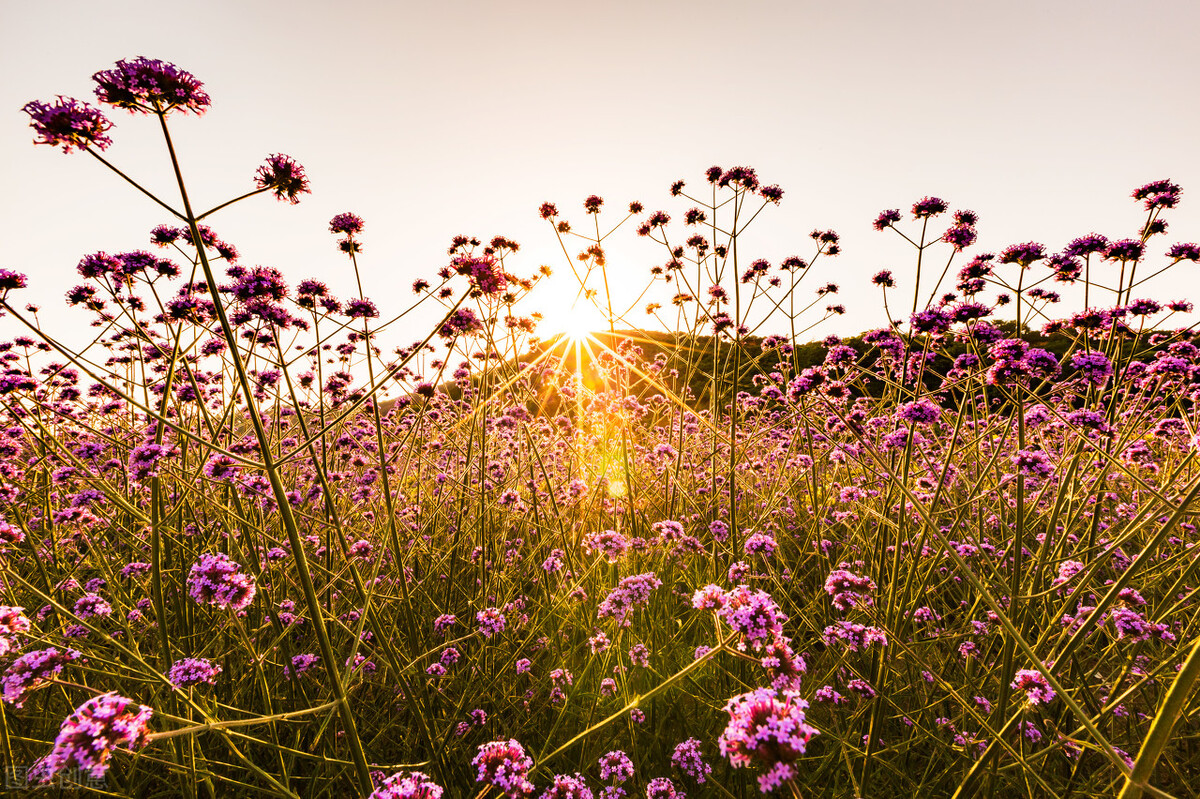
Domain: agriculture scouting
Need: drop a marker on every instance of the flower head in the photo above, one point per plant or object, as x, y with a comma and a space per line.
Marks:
12, 624
217, 580
689, 759
347, 223
151, 86
1035, 685
68, 123
928, 207
413, 785
89, 736
193, 671
33, 670
505, 765
768, 728
286, 177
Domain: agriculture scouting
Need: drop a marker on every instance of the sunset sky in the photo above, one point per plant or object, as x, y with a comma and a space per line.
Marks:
434, 119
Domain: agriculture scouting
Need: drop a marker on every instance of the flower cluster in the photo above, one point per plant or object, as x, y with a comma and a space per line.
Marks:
767, 728
33, 670
630, 593
504, 765
217, 580
849, 590
13, 623
1035, 685
91, 734
69, 124
151, 86
410, 785
193, 671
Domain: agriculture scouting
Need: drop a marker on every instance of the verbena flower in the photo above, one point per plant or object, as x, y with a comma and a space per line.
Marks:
566, 786
193, 671
663, 788
33, 670
69, 124
151, 86
848, 589
767, 728
504, 765
629, 594
754, 614
407, 785
1035, 685
491, 622
91, 734
284, 176
616, 766
689, 759
217, 580
13, 624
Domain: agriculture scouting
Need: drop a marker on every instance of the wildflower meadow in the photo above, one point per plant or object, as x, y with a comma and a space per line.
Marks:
259, 540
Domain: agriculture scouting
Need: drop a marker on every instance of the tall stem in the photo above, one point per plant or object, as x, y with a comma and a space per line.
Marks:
286, 516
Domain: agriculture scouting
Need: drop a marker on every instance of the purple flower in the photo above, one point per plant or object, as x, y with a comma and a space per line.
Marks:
463, 321
689, 759
855, 637
13, 623
566, 786
928, 207
960, 237
347, 223
88, 736
483, 271
12, 280
754, 614
1023, 254
887, 218
361, 309
1086, 245
33, 670
491, 621
760, 543
68, 123
920, 412
1035, 685
616, 766
217, 580
193, 671
1094, 367
1124, 250
504, 765
1158, 194
663, 788
849, 590
1184, 251
151, 86
1033, 464
767, 727
90, 605
286, 177
301, 664
145, 460
411, 785
630, 593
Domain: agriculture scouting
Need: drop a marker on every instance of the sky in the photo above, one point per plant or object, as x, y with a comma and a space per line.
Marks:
436, 119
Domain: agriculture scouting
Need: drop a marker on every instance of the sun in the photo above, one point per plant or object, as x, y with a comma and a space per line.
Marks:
571, 315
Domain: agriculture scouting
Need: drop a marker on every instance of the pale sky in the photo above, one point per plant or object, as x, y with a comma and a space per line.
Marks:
434, 119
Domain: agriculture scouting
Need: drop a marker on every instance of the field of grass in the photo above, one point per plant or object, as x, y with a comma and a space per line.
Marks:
949, 557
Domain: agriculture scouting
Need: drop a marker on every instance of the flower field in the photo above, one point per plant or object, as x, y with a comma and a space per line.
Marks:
249, 547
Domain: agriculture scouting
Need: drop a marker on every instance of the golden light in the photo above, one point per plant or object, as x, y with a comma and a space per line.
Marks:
616, 488
575, 318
